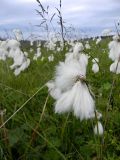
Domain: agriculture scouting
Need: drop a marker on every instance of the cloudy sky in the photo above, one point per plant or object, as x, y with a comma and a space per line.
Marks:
90, 16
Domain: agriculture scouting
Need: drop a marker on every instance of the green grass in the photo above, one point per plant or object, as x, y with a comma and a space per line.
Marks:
37, 133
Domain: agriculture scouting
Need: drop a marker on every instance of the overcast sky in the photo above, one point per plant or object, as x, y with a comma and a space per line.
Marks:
87, 15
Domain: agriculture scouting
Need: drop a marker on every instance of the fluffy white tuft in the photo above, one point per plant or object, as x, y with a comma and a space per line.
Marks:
18, 34
3, 54
69, 57
114, 50
116, 37
37, 55
51, 58
67, 73
54, 92
95, 68
78, 48
115, 67
65, 102
83, 103
78, 100
98, 40
98, 130
13, 44
83, 61
31, 42
21, 68
87, 45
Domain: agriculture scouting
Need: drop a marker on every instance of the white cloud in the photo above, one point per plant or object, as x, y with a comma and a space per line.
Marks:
7, 21
80, 13
23, 1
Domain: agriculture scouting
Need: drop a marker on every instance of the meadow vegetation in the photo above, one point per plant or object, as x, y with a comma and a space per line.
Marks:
36, 132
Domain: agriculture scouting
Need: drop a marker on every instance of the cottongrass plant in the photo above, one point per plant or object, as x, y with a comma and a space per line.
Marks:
38, 54
51, 58
21, 62
70, 88
98, 130
114, 54
98, 40
95, 66
11, 48
18, 34
87, 45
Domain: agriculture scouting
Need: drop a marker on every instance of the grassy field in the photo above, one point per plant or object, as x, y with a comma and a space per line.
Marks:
35, 132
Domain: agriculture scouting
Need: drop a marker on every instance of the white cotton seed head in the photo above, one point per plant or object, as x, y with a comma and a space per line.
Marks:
51, 58
83, 61
37, 55
38, 43
78, 100
78, 48
51, 45
98, 130
116, 37
3, 54
95, 68
14, 52
31, 43
83, 105
50, 85
20, 61
18, 58
114, 50
65, 102
67, 73
22, 67
13, 44
54, 92
98, 40
115, 67
31, 50
71, 49
81, 57
17, 72
26, 54
87, 45
58, 49
69, 57
64, 78
38, 50
3, 44
18, 34
25, 64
